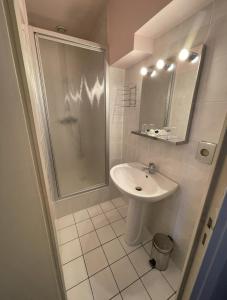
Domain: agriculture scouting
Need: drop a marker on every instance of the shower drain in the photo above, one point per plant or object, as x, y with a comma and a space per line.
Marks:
138, 188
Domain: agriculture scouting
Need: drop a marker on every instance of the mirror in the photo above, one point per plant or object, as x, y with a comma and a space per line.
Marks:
168, 95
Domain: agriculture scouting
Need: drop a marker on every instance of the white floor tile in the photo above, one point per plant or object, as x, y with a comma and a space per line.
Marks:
81, 291
64, 222
106, 234
113, 215
85, 227
136, 291
89, 241
157, 286
67, 234
148, 247
81, 215
70, 251
103, 285
94, 210
147, 236
113, 250
119, 227
118, 202
124, 272
128, 248
95, 261
118, 297
106, 206
74, 272
140, 260
123, 210
173, 275
100, 221
174, 297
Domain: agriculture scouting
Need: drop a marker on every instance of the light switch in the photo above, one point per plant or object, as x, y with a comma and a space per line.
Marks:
205, 152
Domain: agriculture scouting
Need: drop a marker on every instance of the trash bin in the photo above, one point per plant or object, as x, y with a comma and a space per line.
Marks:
162, 246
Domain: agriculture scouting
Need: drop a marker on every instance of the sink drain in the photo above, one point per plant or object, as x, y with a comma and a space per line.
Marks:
138, 188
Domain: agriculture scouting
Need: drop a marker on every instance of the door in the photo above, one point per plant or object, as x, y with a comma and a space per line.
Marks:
211, 283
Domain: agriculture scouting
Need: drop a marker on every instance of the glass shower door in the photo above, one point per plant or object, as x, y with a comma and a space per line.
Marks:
73, 86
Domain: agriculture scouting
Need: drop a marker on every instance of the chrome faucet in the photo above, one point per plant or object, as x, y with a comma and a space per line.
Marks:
151, 168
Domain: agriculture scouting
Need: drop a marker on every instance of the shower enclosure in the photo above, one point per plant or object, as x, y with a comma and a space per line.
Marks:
72, 74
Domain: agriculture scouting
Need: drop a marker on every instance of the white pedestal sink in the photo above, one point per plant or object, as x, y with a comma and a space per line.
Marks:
141, 189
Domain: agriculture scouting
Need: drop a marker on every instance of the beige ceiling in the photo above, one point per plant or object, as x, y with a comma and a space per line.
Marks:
79, 17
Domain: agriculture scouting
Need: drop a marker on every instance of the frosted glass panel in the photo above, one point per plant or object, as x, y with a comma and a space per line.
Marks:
74, 84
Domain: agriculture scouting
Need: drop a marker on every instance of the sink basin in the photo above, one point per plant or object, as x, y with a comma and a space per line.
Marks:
141, 188
133, 181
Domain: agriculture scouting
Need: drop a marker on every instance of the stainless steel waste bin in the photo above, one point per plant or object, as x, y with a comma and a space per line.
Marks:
162, 246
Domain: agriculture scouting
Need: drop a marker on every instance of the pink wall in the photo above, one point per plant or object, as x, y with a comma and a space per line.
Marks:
124, 18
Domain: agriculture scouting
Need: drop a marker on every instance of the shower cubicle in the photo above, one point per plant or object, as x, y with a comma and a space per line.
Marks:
72, 77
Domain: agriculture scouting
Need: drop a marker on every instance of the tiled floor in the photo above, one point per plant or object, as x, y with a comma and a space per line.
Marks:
99, 265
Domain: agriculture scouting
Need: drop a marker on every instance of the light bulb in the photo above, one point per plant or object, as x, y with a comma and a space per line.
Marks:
143, 71
153, 73
160, 64
171, 67
184, 54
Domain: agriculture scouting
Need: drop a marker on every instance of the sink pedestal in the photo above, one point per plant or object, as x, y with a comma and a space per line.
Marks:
141, 189
135, 221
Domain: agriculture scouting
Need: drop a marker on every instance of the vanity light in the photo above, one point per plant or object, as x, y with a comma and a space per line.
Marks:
184, 54
153, 73
170, 67
143, 71
160, 64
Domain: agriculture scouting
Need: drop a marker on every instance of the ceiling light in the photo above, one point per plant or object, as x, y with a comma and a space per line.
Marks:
143, 71
61, 29
184, 54
170, 67
153, 73
160, 64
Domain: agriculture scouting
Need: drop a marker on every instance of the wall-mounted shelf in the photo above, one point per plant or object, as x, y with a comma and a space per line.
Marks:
157, 138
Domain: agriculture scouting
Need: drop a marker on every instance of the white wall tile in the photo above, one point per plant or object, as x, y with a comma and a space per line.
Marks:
177, 215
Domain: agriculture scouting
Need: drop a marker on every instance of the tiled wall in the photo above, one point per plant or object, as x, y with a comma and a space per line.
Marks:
72, 204
177, 215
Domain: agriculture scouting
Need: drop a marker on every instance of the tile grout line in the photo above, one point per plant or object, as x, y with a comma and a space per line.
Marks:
140, 276
169, 298
159, 270
115, 207
168, 282
85, 266
109, 266
93, 248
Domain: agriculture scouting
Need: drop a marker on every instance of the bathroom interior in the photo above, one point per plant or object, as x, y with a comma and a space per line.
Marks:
124, 106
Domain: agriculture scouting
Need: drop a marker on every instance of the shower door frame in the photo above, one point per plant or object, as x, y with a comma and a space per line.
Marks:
35, 34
